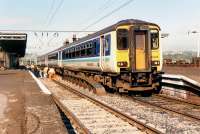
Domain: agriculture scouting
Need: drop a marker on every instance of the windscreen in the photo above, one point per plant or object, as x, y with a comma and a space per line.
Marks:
154, 39
122, 39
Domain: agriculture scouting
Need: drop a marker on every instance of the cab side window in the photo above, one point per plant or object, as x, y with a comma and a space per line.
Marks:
154, 40
122, 39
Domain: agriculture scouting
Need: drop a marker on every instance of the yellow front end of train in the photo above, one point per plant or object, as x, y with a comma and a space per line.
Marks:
138, 56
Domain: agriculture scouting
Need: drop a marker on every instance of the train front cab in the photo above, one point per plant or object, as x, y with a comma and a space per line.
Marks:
138, 56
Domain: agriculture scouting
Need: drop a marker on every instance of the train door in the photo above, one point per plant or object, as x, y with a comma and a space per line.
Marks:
141, 49
46, 60
102, 52
59, 58
105, 52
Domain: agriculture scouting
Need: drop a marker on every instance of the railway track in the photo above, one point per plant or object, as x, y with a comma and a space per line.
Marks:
178, 99
158, 118
186, 109
162, 120
92, 116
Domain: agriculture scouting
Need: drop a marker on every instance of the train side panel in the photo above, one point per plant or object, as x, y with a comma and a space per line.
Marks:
93, 63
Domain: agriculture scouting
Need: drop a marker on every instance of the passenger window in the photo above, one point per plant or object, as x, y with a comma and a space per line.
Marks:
87, 49
68, 54
154, 39
63, 55
140, 41
92, 47
122, 39
53, 56
89, 52
97, 46
78, 51
82, 50
107, 44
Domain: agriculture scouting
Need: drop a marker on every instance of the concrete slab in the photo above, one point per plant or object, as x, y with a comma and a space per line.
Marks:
24, 108
190, 72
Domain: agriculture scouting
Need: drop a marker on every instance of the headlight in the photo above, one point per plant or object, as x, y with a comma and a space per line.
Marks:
122, 64
155, 63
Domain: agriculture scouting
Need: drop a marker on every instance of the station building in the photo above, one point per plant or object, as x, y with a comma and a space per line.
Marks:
12, 47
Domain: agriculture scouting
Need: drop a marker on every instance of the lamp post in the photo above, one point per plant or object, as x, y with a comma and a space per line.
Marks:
198, 42
162, 36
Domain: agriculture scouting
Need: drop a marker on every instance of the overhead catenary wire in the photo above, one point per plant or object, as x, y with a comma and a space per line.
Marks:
108, 14
85, 29
55, 12
50, 11
94, 13
105, 5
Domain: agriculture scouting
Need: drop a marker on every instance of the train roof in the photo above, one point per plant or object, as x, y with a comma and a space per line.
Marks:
105, 30
134, 21
113, 27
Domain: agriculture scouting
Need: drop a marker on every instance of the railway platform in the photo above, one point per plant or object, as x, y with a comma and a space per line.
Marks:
190, 72
24, 108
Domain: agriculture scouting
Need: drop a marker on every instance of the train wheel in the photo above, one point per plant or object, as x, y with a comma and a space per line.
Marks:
130, 93
158, 89
146, 93
108, 89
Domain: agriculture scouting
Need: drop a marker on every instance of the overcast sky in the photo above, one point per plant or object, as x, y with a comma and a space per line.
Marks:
175, 17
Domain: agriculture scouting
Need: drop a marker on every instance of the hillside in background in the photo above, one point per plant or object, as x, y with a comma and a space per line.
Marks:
179, 55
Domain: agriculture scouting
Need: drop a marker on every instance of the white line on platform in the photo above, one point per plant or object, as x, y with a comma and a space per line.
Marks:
40, 84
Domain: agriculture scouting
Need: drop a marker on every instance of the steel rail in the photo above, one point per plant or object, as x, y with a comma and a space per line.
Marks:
167, 109
129, 119
71, 116
176, 99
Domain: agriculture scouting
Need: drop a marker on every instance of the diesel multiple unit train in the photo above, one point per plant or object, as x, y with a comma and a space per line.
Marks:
123, 56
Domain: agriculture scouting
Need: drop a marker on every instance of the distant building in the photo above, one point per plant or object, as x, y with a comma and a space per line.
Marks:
167, 61
12, 47
179, 62
196, 61
28, 59
4, 58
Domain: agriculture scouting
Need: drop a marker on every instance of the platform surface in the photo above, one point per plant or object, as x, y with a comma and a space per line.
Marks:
190, 72
24, 108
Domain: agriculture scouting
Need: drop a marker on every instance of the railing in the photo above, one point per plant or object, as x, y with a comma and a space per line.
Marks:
181, 82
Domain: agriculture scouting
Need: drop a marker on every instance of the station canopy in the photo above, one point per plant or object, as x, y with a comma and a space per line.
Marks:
13, 43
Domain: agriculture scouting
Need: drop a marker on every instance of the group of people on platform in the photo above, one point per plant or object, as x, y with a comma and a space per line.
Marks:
46, 72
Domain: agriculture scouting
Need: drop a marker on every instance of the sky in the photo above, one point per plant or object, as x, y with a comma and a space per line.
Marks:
175, 17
